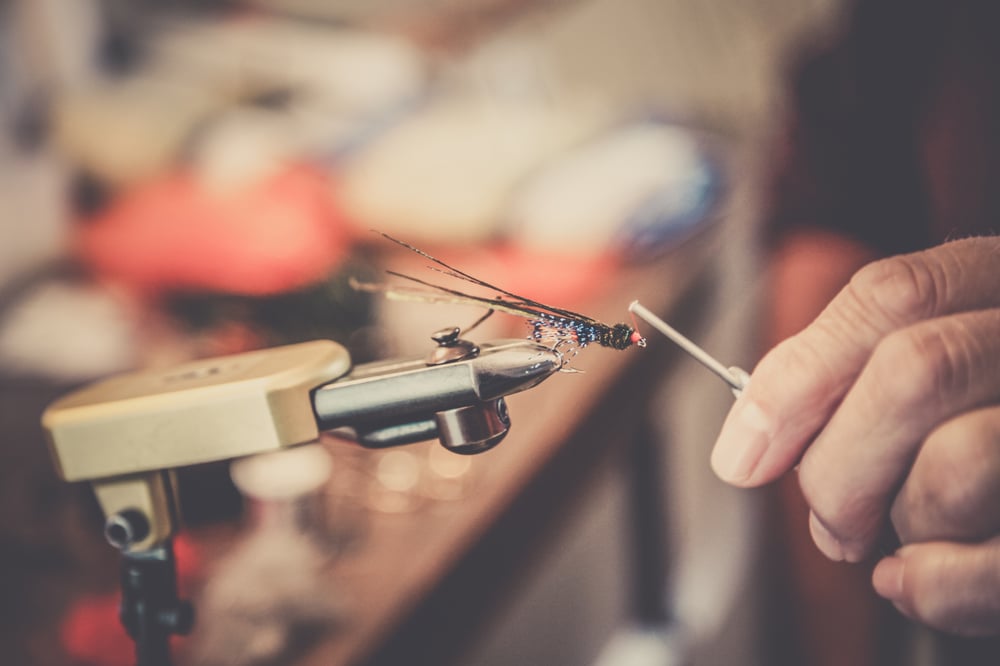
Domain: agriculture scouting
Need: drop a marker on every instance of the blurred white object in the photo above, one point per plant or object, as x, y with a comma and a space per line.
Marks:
339, 84
282, 475
243, 146
128, 130
360, 71
69, 333
54, 40
587, 200
642, 646
33, 212
446, 172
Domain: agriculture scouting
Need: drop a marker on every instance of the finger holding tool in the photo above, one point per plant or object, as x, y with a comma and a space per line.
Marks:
736, 377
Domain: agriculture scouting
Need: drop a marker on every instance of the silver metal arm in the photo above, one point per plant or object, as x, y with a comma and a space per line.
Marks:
459, 400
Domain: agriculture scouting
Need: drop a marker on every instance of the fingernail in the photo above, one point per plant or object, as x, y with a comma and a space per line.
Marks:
826, 542
887, 578
742, 442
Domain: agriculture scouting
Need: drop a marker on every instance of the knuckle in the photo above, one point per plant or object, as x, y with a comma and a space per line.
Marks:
947, 492
905, 288
803, 355
959, 475
919, 364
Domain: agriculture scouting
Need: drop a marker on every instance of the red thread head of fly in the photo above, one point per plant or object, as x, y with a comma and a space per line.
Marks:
636, 336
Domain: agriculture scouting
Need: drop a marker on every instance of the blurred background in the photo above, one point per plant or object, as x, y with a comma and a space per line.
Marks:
186, 179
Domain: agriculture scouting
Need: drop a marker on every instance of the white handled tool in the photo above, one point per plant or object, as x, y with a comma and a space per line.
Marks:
737, 378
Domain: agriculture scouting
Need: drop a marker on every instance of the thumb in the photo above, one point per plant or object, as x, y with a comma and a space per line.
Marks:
954, 587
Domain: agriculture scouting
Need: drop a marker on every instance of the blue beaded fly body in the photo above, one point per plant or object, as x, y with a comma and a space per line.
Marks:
547, 327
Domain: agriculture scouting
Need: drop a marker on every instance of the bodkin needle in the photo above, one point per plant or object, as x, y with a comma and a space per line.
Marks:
737, 378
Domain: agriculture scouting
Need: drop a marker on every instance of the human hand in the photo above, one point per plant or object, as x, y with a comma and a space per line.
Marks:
889, 403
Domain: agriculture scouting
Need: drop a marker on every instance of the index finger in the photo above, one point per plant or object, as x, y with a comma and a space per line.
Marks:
798, 385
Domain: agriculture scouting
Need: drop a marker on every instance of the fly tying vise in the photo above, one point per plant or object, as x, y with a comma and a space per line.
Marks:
549, 324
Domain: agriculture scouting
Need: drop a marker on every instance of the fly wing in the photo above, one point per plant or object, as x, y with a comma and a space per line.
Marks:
535, 307
438, 294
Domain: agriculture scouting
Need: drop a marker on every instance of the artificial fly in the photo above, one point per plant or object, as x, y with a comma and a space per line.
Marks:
551, 325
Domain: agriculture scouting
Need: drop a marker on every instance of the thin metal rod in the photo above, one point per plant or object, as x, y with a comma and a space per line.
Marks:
691, 348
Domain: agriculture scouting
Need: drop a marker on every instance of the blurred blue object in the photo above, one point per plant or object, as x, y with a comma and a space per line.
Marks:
634, 189
685, 201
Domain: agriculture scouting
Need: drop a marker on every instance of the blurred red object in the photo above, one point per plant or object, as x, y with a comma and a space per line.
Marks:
555, 278
91, 632
559, 279
278, 233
